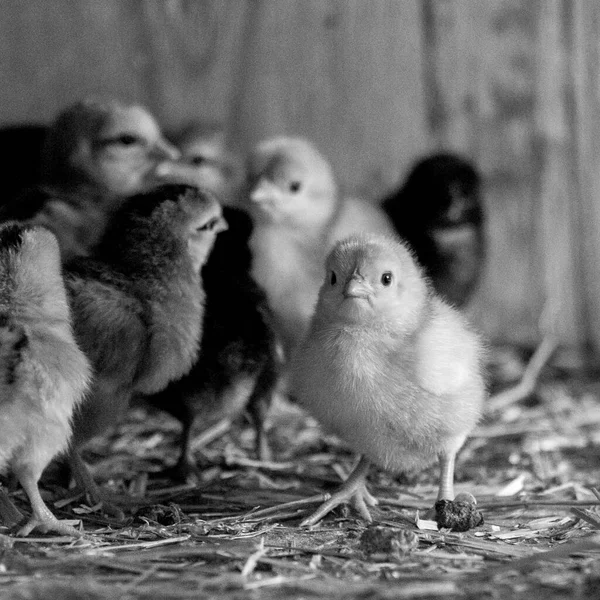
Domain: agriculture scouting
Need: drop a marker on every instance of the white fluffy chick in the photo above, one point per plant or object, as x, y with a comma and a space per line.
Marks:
388, 366
43, 373
298, 215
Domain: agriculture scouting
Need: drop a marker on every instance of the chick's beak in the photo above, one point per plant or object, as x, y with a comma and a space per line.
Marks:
262, 192
164, 150
220, 225
356, 288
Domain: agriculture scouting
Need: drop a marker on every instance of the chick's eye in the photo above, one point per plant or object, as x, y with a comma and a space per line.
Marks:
387, 278
295, 186
197, 160
332, 278
127, 139
209, 225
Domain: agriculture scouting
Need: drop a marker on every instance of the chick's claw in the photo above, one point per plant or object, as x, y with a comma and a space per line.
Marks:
48, 524
353, 490
357, 494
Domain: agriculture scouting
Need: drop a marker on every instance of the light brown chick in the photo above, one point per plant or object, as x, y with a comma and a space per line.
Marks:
43, 373
388, 366
96, 153
298, 215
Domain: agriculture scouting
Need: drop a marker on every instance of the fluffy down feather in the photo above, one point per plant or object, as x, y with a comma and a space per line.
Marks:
387, 365
43, 373
138, 305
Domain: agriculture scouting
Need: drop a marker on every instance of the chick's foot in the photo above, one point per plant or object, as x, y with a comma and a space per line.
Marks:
42, 517
353, 490
47, 524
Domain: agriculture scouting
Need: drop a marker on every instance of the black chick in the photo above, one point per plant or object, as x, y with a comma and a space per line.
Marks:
137, 306
439, 212
237, 365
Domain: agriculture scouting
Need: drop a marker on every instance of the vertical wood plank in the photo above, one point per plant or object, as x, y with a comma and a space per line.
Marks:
514, 84
345, 73
556, 191
584, 70
482, 66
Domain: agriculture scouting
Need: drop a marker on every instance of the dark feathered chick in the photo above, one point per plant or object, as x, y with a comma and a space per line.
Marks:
95, 154
439, 212
43, 373
298, 215
388, 366
237, 365
137, 305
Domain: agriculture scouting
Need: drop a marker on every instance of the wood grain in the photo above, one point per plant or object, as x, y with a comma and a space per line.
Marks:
511, 84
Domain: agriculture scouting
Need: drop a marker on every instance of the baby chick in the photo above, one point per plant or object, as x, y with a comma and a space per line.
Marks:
388, 366
439, 212
237, 365
137, 305
215, 164
298, 215
95, 154
43, 373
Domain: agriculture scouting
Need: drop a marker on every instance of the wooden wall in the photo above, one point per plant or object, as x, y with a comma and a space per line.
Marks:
514, 84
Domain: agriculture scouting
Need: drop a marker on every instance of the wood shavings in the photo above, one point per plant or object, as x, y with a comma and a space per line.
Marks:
236, 532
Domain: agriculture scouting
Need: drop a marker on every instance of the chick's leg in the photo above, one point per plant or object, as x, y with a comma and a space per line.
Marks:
446, 488
185, 469
42, 517
86, 483
258, 406
353, 489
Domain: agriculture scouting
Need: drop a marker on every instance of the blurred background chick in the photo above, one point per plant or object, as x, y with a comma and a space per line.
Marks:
298, 214
439, 211
215, 162
43, 372
388, 366
95, 154
138, 304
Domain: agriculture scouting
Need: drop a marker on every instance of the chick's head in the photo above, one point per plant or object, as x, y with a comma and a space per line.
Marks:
31, 283
373, 280
291, 182
112, 146
163, 227
443, 190
213, 161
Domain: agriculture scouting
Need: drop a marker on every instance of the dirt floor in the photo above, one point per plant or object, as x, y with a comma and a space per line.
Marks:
533, 465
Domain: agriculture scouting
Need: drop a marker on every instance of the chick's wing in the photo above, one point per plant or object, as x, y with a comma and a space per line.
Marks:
109, 322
